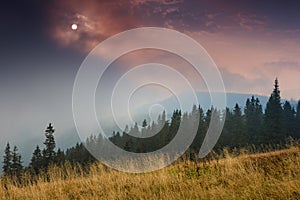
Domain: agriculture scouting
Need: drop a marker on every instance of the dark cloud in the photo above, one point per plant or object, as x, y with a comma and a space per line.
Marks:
98, 20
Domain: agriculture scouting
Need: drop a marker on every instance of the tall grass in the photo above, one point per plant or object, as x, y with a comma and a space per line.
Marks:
272, 175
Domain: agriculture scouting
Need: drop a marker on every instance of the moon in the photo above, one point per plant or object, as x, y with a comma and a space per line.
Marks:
74, 27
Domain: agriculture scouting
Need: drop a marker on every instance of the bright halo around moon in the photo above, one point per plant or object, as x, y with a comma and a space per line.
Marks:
74, 27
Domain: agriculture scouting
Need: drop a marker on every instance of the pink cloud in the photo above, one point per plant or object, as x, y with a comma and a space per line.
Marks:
250, 21
96, 21
238, 40
162, 2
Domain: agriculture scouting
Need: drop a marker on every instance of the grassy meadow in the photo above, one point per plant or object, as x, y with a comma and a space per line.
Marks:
272, 175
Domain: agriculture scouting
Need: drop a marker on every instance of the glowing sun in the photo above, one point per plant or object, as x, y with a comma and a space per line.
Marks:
74, 27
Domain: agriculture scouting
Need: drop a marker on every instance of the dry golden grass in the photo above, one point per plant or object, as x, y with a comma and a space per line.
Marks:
274, 175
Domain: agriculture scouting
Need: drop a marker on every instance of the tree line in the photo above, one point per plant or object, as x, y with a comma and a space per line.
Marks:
251, 126
242, 127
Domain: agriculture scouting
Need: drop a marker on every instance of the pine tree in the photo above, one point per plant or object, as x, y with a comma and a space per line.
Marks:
60, 157
297, 121
144, 129
201, 132
258, 120
48, 152
161, 121
254, 116
164, 130
79, 154
7, 163
208, 116
16, 166
225, 137
289, 119
175, 123
144, 124
128, 145
274, 127
238, 128
36, 162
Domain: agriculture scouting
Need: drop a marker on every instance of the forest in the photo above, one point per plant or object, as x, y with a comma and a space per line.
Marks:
247, 127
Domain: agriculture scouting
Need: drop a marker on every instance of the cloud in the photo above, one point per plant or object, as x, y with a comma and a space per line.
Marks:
283, 65
162, 2
235, 82
249, 21
288, 72
97, 20
238, 37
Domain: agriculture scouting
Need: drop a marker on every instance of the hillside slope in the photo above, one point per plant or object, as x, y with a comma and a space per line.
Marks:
274, 175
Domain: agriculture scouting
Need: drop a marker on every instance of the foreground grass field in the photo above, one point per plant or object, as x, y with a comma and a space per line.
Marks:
274, 175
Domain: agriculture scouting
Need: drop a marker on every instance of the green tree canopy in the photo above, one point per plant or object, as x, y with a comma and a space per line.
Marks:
49, 152
274, 127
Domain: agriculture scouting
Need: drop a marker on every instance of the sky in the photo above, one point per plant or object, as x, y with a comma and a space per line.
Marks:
251, 42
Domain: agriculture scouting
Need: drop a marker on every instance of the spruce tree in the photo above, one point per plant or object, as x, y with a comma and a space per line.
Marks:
226, 135
259, 117
144, 128
128, 145
164, 132
239, 137
60, 157
7, 163
254, 117
36, 162
289, 119
174, 125
274, 125
48, 152
144, 124
201, 132
16, 165
297, 121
